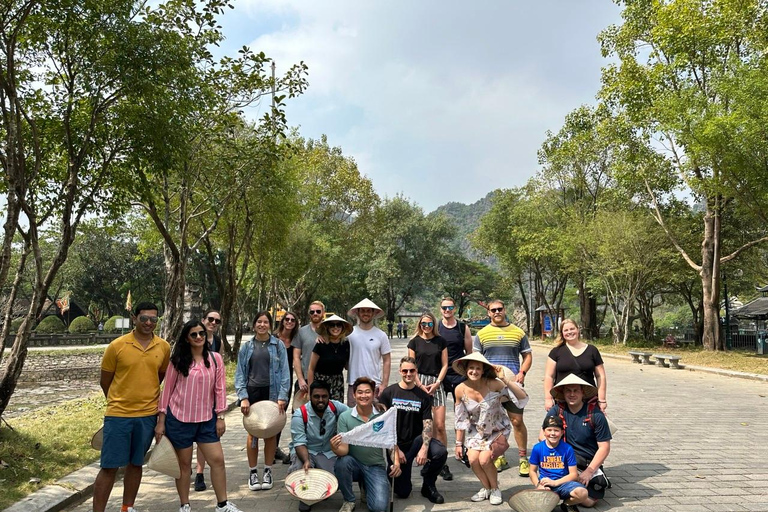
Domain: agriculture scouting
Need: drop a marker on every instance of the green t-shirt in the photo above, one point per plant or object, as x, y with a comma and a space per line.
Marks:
364, 455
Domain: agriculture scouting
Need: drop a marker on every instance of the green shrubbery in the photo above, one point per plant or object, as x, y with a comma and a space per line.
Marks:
51, 325
16, 323
80, 325
109, 325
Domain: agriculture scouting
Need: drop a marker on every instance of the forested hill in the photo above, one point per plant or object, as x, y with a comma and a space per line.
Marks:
465, 218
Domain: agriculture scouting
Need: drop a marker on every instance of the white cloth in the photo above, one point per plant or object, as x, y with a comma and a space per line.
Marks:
380, 432
365, 351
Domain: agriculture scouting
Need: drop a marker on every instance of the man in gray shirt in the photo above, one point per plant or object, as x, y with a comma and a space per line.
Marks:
304, 342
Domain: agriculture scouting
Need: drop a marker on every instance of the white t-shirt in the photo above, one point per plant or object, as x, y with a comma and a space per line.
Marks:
365, 351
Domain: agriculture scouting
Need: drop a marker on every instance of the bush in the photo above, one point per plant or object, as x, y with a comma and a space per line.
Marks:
109, 325
80, 325
16, 323
51, 325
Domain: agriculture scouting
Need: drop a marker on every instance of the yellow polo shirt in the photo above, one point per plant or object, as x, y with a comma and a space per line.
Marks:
135, 387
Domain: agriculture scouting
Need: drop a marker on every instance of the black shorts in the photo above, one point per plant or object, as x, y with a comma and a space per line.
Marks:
451, 381
258, 394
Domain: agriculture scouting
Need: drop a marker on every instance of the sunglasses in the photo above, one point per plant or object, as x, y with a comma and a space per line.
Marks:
447, 308
289, 319
213, 320
427, 324
196, 334
406, 371
335, 325
315, 311
496, 310
322, 427
146, 318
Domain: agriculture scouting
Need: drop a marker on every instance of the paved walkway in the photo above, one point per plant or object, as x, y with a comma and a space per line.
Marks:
687, 441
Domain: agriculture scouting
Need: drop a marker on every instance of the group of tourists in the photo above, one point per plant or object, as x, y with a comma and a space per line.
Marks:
484, 374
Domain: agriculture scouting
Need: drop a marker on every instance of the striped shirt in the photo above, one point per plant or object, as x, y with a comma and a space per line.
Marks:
191, 398
502, 345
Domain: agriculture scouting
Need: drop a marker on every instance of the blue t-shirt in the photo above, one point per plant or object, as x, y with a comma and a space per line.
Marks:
582, 436
554, 462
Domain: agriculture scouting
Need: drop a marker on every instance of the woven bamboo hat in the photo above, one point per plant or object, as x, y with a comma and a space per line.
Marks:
322, 329
366, 303
164, 459
97, 441
533, 500
460, 365
557, 390
312, 486
264, 420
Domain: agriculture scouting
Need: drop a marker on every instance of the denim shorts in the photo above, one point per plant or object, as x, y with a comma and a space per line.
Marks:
182, 434
126, 440
564, 490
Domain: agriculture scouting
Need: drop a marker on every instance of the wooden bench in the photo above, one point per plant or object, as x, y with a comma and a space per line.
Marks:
637, 355
673, 360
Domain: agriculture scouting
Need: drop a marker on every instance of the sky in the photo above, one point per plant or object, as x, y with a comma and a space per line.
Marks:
437, 100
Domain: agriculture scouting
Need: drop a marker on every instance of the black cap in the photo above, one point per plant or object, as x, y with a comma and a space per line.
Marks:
553, 421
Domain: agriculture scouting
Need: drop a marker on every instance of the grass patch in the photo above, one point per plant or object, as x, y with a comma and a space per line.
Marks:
736, 360
65, 353
47, 444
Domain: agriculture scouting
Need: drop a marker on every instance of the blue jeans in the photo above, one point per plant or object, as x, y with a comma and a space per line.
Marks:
374, 478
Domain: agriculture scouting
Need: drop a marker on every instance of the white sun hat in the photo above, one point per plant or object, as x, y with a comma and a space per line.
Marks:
97, 441
322, 329
366, 303
264, 419
533, 500
164, 459
311, 486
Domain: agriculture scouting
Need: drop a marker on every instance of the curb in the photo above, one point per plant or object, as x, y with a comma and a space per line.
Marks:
705, 369
71, 489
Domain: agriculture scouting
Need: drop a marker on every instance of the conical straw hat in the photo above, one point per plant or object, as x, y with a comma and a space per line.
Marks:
533, 500
264, 419
312, 486
460, 365
164, 459
322, 329
97, 441
557, 391
365, 303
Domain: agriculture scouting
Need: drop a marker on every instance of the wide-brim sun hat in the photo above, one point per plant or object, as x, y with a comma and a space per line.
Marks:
324, 331
264, 419
366, 303
460, 365
164, 459
590, 391
311, 486
97, 441
533, 500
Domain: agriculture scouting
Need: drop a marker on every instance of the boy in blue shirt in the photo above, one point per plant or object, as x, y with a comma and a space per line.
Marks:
553, 466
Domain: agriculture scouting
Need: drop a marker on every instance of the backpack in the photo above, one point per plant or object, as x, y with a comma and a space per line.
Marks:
305, 417
590, 408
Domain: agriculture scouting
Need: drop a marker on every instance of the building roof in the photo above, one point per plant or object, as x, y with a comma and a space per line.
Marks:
757, 308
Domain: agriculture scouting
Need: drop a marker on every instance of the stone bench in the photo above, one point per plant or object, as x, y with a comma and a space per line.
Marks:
673, 360
637, 355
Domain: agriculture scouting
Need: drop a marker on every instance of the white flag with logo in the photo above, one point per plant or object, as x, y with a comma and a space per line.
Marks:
380, 432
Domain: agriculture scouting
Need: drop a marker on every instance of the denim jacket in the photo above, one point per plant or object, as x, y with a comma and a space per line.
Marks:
279, 377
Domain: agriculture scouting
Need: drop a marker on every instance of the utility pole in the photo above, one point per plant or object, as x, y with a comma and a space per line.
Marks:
273, 99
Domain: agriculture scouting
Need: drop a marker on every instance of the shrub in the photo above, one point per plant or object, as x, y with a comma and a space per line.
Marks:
109, 325
51, 325
81, 324
16, 323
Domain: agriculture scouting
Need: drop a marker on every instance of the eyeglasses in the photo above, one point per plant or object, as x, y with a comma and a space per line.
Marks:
146, 318
335, 325
406, 371
496, 310
315, 311
322, 427
427, 324
213, 320
289, 319
447, 308
196, 334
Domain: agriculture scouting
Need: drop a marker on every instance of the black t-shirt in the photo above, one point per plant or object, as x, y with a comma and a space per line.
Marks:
582, 365
333, 357
413, 407
454, 341
429, 354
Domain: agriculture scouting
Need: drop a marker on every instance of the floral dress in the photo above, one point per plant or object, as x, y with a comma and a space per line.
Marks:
486, 420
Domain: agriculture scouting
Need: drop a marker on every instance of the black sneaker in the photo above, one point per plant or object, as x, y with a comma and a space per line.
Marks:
446, 473
568, 508
303, 507
281, 455
200, 482
432, 494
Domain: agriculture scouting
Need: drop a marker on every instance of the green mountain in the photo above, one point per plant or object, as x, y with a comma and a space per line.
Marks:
465, 218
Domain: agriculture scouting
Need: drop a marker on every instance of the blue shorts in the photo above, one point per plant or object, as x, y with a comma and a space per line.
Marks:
564, 490
182, 435
126, 440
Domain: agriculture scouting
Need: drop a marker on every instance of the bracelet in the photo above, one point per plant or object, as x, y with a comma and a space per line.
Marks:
602, 402
459, 443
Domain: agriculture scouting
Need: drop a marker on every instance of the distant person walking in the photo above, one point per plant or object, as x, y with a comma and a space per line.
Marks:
132, 369
390, 327
405, 329
400, 329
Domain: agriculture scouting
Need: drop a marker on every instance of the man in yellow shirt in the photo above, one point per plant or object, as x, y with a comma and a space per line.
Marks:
132, 369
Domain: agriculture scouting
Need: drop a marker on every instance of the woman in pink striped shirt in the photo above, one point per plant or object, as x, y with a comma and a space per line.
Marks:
191, 409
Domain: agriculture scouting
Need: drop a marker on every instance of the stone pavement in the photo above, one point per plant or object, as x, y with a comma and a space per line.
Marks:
687, 441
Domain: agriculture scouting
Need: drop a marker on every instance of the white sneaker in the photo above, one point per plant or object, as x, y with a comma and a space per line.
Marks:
348, 506
185, 508
266, 482
229, 507
481, 495
496, 496
253, 481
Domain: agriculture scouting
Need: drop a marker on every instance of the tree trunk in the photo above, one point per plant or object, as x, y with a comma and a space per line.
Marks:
173, 316
710, 279
590, 329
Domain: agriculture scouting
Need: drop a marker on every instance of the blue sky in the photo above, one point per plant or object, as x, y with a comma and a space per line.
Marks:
438, 100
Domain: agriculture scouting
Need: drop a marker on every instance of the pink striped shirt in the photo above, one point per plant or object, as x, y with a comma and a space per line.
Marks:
191, 398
